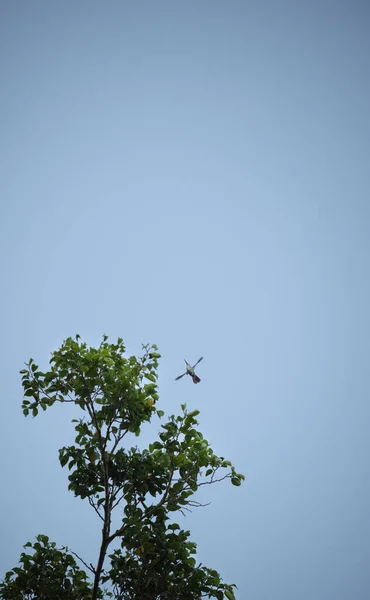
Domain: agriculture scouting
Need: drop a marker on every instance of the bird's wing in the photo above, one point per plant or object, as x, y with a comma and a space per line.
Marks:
198, 361
179, 377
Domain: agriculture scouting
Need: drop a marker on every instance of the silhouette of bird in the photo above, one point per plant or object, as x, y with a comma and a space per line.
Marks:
190, 371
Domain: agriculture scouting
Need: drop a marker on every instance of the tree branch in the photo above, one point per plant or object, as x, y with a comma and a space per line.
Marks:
90, 567
92, 503
214, 480
107, 510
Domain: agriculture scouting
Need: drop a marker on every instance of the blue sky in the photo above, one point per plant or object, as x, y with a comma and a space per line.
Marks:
196, 174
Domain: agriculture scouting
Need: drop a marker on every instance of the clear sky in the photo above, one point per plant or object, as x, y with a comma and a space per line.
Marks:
197, 174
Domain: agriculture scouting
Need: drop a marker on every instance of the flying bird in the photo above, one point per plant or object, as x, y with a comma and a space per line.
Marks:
190, 371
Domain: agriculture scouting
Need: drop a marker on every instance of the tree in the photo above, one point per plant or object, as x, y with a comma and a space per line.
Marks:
156, 559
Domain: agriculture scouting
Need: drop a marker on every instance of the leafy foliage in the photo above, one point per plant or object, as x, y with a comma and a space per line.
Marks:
47, 574
116, 395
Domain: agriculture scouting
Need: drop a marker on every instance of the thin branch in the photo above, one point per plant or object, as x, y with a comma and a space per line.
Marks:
115, 504
91, 568
92, 503
197, 504
214, 480
118, 438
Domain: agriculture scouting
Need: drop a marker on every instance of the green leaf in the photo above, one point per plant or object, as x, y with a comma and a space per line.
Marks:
229, 594
236, 481
29, 392
150, 376
177, 487
160, 413
35, 412
64, 459
156, 446
208, 472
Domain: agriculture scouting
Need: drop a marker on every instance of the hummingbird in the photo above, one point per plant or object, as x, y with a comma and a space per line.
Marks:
190, 371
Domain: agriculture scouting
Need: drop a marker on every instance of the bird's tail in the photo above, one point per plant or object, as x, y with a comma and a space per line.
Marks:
196, 379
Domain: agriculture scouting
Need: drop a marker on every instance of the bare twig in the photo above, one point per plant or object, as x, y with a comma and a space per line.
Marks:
117, 440
214, 480
92, 503
116, 503
197, 504
91, 568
